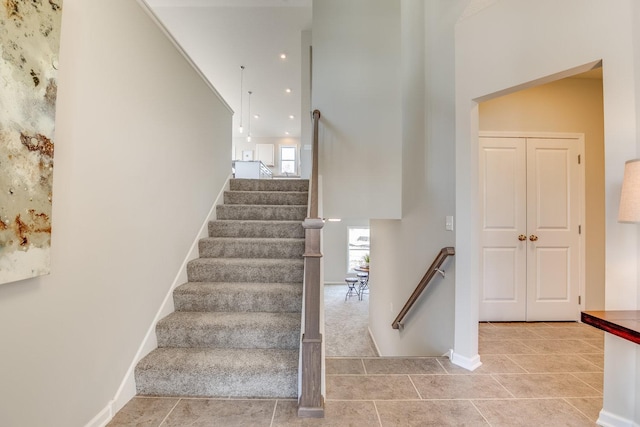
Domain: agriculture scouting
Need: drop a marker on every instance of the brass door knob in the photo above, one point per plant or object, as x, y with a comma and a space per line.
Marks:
522, 237
533, 237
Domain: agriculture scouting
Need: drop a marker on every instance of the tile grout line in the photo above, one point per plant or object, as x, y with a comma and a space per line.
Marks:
364, 366
442, 366
461, 399
575, 407
480, 412
583, 381
503, 386
377, 413
526, 371
414, 387
589, 362
170, 411
273, 415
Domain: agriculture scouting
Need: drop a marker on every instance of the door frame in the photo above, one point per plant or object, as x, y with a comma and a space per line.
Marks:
581, 196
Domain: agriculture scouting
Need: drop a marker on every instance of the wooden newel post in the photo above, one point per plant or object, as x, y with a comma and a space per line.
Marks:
311, 404
311, 401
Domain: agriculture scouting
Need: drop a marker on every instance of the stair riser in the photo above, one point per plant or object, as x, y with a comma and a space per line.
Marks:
283, 384
265, 198
263, 213
261, 297
269, 185
247, 248
228, 336
205, 272
257, 229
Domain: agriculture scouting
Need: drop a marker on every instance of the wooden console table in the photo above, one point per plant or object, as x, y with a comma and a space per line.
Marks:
625, 324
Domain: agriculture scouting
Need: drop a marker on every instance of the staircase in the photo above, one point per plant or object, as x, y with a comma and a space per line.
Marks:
235, 331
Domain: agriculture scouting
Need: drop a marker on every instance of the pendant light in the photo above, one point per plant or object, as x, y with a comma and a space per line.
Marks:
240, 129
249, 130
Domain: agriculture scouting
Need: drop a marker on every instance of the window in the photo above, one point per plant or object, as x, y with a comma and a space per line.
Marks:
288, 155
358, 246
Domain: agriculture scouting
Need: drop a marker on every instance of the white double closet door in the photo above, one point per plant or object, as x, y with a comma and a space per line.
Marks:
531, 201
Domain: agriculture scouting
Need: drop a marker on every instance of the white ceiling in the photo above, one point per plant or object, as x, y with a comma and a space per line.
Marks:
222, 35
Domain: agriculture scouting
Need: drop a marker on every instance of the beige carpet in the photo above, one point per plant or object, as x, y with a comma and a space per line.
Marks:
346, 324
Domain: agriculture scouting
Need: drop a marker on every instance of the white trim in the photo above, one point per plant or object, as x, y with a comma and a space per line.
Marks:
127, 389
607, 419
103, 417
476, 6
524, 134
149, 11
582, 196
373, 340
468, 363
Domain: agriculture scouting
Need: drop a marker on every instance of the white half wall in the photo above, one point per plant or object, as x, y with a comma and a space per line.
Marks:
517, 44
143, 147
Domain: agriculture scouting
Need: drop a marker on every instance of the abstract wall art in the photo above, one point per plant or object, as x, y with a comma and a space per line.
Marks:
29, 45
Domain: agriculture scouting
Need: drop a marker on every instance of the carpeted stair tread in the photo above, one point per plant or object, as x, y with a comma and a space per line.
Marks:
229, 330
233, 247
245, 270
236, 328
208, 372
250, 297
266, 198
256, 228
262, 212
269, 185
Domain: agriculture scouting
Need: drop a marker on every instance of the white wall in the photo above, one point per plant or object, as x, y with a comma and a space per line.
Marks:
567, 105
518, 43
306, 126
357, 88
142, 149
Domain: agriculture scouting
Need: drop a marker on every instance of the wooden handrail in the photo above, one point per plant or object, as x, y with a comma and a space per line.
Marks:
424, 283
311, 403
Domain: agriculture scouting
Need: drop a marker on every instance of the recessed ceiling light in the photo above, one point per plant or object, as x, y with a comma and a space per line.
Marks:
292, 117
256, 116
287, 90
283, 56
286, 133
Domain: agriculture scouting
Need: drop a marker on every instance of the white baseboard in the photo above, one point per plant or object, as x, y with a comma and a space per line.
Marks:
127, 389
607, 419
375, 344
102, 418
468, 363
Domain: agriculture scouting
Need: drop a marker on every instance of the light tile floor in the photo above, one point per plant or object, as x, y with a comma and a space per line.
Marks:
536, 374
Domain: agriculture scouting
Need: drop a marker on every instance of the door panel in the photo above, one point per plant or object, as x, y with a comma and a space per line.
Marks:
503, 256
500, 275
551, 274
553, 216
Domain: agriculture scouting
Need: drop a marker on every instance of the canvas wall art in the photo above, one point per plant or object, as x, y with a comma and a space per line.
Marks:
29, 45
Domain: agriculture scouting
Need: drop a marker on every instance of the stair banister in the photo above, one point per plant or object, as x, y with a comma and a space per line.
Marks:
424, 283
311, 402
